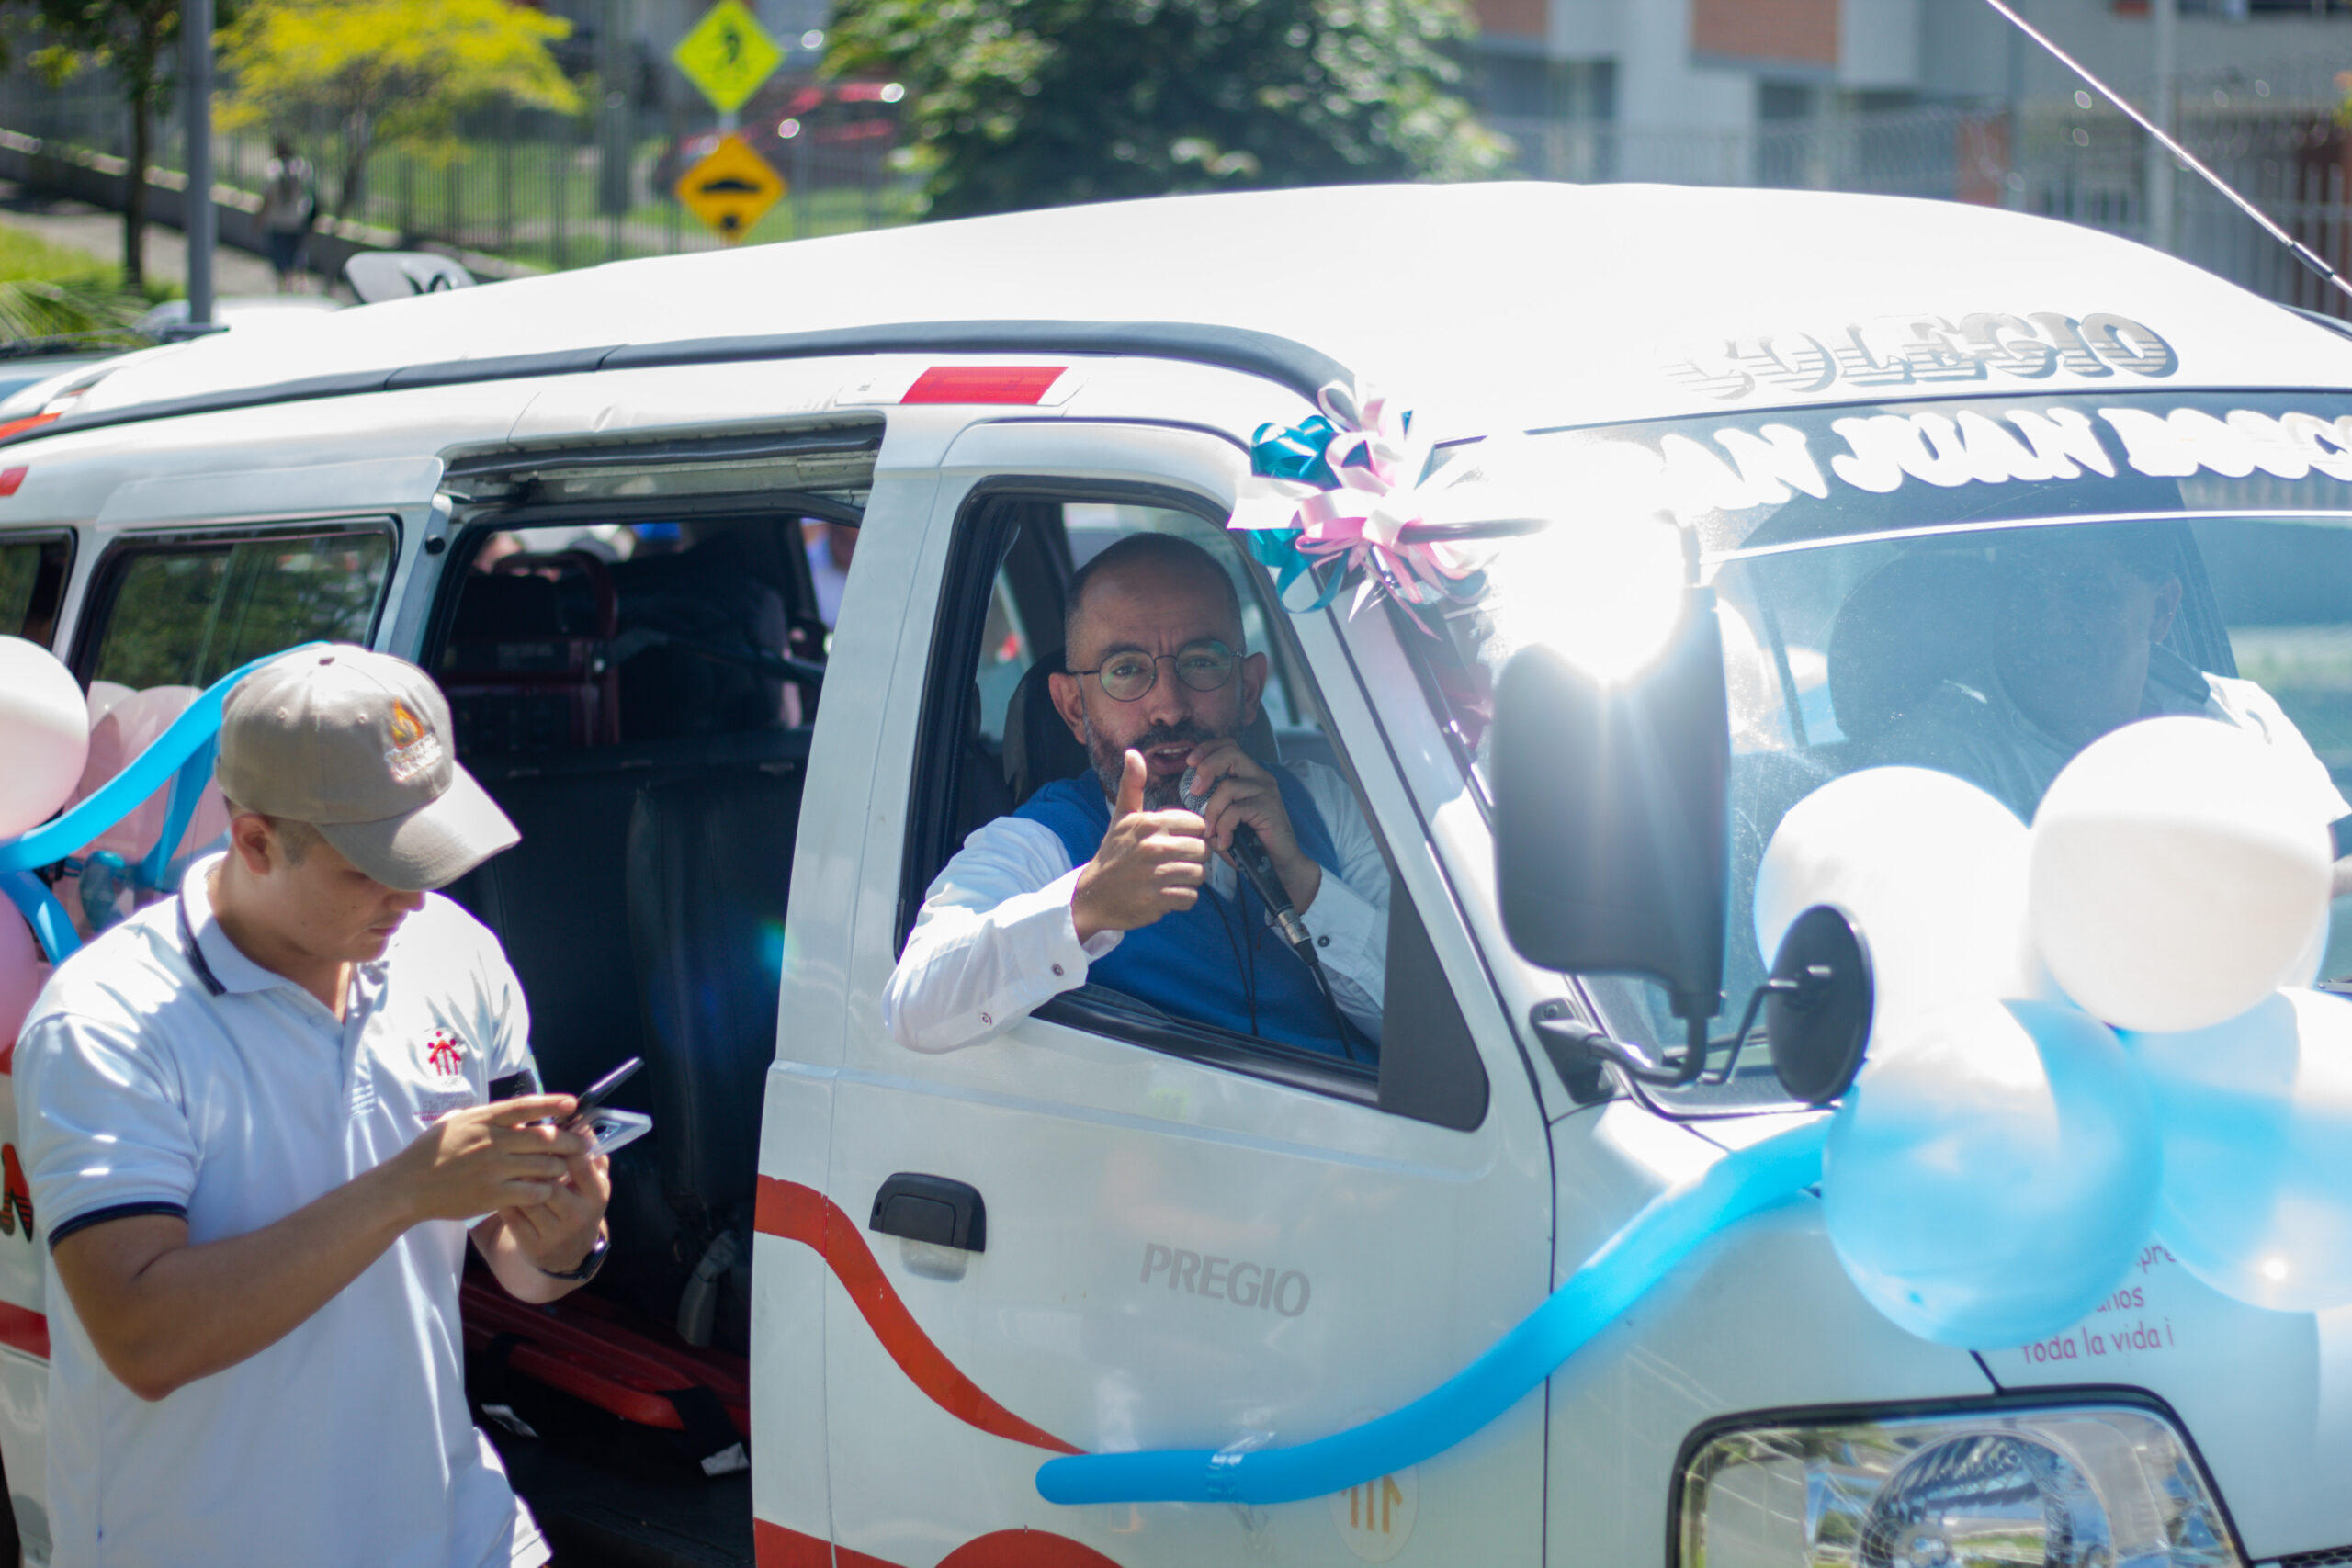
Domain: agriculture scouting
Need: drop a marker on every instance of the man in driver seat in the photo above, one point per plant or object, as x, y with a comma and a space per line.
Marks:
1107, 877
2079, 629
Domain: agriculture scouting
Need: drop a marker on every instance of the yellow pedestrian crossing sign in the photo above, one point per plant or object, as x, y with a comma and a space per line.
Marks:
730, 189
728, 55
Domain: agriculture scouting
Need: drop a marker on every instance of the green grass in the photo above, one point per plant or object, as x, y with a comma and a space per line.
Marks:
26, 257
58, 291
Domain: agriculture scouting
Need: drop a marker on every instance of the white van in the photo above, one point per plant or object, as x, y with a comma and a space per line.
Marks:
600, 507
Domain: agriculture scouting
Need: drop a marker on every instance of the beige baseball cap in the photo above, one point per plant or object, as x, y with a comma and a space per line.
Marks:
360, 745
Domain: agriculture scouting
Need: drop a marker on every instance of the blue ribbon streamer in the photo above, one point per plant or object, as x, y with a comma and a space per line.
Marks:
179, 810
182, 755
117, 798
1743, 1182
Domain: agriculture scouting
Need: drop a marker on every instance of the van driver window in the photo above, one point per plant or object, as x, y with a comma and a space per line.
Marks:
1155, 731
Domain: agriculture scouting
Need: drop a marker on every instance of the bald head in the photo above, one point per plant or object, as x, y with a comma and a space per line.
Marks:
1140, 569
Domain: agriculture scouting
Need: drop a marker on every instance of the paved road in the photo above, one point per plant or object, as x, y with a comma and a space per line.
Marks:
99, 231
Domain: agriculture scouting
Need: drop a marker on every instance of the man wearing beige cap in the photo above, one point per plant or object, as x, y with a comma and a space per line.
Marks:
260, 1121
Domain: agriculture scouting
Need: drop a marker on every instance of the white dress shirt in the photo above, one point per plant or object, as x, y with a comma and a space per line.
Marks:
996, 939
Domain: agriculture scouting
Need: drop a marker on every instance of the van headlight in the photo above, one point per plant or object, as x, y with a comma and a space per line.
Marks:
2087, 1487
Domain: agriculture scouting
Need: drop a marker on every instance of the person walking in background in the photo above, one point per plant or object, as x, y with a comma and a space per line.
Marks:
290, 206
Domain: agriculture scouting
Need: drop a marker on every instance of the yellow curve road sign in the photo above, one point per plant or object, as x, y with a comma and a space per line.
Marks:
730, 189
728, 55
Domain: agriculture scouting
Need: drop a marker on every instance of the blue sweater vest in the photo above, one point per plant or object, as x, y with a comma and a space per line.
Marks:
1193, 965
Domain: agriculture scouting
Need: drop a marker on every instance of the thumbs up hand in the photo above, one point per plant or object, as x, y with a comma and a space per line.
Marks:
1151, 864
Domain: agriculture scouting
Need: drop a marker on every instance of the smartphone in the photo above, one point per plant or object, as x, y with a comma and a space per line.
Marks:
592, 1097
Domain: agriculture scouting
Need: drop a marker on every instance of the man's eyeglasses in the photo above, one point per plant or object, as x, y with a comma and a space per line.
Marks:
1128, 677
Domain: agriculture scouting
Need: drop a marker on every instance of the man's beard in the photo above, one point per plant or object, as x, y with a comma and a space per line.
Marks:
1111, 762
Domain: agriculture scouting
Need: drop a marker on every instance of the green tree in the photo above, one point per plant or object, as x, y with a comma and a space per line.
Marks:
1033, 103
139, 41
387, 72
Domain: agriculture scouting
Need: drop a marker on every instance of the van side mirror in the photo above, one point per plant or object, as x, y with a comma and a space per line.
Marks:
1612, 835
1611, 824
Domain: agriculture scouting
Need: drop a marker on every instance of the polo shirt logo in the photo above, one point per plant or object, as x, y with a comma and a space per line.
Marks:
415, 749
445, 1054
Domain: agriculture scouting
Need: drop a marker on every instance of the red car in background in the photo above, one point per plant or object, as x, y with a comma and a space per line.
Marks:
812, 133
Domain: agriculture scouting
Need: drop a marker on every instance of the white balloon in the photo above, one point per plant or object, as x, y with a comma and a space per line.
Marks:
44, 733
1992, 1172
2177, 875
2255, 1116
1930, 868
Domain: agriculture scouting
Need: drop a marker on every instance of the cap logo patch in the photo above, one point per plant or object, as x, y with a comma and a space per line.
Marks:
415, 749
445, 1054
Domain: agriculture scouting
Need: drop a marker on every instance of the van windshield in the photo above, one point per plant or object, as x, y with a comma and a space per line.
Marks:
1978, 586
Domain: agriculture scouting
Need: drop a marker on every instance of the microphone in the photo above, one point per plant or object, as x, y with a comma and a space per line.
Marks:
1249, 856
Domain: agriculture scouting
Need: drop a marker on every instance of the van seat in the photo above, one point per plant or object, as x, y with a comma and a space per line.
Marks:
708, 870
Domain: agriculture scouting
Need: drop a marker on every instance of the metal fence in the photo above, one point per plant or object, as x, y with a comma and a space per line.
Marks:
557, 191
2272, 133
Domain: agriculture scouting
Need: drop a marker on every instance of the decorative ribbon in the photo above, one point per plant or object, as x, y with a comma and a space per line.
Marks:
181, 757
1340, 490
1773, 1171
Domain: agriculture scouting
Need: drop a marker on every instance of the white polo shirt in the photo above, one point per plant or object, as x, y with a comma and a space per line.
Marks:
162, 1071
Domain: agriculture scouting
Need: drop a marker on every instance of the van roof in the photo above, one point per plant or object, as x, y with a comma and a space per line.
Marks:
1485, 306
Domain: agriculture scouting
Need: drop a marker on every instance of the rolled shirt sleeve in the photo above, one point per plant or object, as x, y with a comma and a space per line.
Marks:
995, 941
100, 1123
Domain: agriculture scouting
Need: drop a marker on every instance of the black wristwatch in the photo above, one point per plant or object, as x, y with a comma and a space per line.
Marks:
588, 1265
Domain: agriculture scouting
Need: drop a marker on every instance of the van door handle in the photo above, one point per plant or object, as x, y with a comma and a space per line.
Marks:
936, 1209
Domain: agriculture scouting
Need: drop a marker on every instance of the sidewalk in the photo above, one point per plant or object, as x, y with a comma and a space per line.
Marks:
80, 226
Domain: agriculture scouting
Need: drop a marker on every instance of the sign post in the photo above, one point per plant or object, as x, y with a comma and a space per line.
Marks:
726, 55
198, 220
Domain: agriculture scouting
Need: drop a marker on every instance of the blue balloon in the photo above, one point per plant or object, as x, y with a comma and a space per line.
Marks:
2256, 1118
1993, 1174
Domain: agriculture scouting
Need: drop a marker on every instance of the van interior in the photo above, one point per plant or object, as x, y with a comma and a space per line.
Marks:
637, 695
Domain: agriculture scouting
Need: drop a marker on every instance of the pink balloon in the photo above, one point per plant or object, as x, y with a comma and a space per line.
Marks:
22, 973
126, 730
102, 697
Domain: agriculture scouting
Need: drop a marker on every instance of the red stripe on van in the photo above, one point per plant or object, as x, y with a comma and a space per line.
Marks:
983, 384
18, 426
795, 1213
772, 1546
23, 1330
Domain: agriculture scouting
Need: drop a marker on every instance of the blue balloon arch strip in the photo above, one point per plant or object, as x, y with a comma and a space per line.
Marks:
1763, 1175
181, 757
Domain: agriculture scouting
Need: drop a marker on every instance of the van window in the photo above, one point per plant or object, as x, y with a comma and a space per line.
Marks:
186, 613
993, 740
173, 617
32, 586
